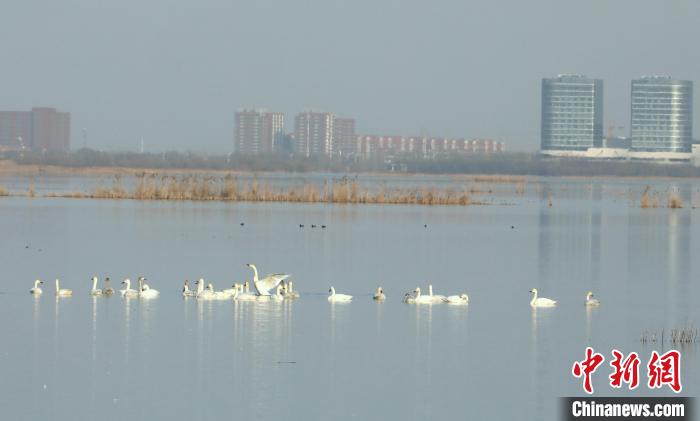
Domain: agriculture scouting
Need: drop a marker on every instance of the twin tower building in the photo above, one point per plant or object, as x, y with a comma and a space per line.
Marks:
661, 118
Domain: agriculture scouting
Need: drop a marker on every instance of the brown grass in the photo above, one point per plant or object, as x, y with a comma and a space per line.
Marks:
68, 195
31, 192
649, 200
499, 179
3, 191
192, 187
675, 201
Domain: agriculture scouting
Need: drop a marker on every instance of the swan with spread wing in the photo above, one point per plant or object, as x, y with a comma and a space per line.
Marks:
266, 285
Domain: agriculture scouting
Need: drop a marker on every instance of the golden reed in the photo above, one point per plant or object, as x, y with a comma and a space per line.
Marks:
192, 187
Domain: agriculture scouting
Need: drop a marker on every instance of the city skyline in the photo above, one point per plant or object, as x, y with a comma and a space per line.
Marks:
572, 113
40, 129
472, 69
661, 119
661, 114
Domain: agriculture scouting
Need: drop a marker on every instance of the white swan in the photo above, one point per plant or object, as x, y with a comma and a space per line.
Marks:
244, 293
95, 292
277, 296
233, 290
288, 290
457, 299
436, 298
204, 293
186, 291
591, 302
421, 299
218, 295
379, 295
409, 299
201, 292
108, 290
333, 297
127, 291
268, 283
36, 290
146, 291
62, 292
540, 302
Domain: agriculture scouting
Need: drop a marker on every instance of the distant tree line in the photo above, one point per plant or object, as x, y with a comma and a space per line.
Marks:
86, 158
501, 163
537, 165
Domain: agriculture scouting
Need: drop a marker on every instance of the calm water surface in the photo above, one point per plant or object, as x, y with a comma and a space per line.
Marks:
84, 358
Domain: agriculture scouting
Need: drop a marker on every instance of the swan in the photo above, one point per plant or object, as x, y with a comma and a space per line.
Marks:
233, 290
268, 283
288, 290
62, 292
36, 290
218, 295
244, 293
435, 298
108, 290
199, 287
127, 291
421, 299
457, 299
146, 291
540, 302
95, 292
591, 302
408, 298
201, 292
379, 295
277, 296
186, 291
333, 297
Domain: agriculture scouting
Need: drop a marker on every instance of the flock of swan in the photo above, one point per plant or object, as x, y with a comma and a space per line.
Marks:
276, 287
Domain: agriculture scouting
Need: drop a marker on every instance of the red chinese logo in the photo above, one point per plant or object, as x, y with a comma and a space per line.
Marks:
626, 370
665, 369
587, 367
662, 370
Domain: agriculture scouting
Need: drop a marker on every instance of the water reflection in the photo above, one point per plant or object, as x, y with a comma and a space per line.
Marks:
93, 347
423, 364
37, 349
379, 317
36, 310
590, 312
659, 255
569, 236
540, 347
126, 354
339, 314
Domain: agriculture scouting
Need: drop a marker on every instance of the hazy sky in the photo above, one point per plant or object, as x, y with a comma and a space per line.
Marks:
175, 71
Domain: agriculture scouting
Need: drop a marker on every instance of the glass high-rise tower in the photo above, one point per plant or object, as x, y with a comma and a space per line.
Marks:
662, 114
572, 113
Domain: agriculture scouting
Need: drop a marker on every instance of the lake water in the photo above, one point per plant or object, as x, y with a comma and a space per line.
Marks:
83, 358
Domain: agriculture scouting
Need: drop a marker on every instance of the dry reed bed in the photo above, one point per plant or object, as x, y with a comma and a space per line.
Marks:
677, 336
652, 200
500, 179
191, 187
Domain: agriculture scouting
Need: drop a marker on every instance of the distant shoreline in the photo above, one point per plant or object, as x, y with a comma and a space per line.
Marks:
11, 168
8, 167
